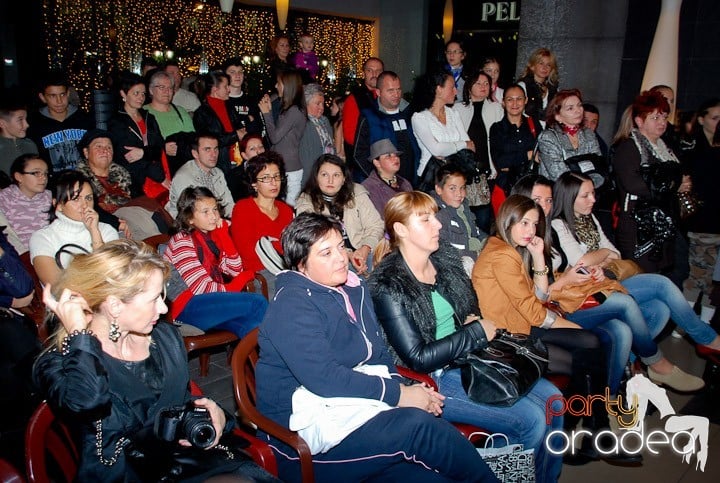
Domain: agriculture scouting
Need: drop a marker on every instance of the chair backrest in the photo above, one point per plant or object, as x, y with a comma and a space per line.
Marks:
10, 474
47, 436
244, 361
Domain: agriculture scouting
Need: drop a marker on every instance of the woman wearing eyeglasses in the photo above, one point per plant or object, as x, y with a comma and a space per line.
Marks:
26, 202
648, 174
262, 214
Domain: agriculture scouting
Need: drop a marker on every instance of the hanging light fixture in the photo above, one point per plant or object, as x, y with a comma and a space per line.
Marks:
448, 20
282, 7
226, 6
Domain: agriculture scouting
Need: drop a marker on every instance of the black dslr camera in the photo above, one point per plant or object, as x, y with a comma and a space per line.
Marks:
188, 422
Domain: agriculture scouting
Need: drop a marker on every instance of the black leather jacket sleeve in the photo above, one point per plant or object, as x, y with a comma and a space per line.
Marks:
404, 336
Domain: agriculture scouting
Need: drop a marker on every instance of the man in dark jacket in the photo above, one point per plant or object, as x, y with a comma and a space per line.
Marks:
388, 117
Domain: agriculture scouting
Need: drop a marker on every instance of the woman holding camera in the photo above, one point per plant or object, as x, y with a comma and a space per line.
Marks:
110, 370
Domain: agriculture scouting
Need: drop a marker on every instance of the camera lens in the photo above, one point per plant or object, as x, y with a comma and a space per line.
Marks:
202, 434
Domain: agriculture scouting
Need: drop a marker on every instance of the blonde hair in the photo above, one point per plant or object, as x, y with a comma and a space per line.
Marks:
118, 268
399, 210
535, 58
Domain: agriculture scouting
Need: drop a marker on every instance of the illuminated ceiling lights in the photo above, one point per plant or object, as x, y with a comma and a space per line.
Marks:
282, 7
448, 20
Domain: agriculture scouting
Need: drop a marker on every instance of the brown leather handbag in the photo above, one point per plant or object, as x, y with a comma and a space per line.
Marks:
571, 297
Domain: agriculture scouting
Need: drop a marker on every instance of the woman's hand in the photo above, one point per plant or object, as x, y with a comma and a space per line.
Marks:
686, 185
91, 219
470, 145
421, 396
241, 133
536, 247
359, 257
72, 309
217, 416
124, 229
264, 104
133, 154
171, 148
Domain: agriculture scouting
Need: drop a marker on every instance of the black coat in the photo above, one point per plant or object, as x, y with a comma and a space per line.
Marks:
404, 308
88, 384
124, 132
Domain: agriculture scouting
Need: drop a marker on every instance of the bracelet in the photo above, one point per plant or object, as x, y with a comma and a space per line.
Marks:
65, 349
542, 272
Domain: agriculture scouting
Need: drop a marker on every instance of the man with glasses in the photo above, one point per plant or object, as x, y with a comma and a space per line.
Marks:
360, 98
57, 128
13, 129
202, 170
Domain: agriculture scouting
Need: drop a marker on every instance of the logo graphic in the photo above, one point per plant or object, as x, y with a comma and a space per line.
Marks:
640, 392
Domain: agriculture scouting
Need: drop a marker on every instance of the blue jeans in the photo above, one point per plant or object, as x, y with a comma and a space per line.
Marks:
603, 321
653, 290
523, 422
238, 312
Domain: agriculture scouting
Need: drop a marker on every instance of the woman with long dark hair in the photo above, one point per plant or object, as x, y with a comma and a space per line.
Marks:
286, 131
429, 315
437, 128
205, 256
330, 190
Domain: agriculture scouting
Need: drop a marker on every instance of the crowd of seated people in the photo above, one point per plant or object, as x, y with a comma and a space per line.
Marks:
238, 186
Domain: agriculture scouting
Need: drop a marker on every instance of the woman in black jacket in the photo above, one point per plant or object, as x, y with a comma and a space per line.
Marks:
428, 310
112, 370
137, 142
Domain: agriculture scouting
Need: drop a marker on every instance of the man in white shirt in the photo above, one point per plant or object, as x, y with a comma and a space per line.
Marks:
202, 170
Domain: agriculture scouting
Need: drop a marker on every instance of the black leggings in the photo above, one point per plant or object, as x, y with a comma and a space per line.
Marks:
578, 354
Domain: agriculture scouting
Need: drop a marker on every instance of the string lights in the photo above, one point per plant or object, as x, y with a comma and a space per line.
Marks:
89, 39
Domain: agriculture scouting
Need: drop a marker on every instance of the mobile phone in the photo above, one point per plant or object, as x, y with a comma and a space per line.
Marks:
583, 270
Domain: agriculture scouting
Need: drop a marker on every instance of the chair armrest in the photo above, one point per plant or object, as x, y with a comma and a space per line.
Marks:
250, 286
417, 376
259, 451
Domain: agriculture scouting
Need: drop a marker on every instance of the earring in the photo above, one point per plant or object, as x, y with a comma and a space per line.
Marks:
123, 99
114, 333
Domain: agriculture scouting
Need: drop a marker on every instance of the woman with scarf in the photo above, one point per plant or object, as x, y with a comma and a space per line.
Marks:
564, 136
213, 117
649, 178
204, 255
318, 137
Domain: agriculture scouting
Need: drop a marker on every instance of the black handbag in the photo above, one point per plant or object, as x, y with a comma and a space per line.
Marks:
464, 159
505, 370
592, 165
654, 228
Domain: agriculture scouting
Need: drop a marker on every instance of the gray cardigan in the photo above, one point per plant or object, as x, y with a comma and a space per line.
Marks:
311, 147
285, 135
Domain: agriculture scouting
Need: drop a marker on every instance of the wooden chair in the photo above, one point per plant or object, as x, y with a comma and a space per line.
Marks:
244, 360
216, 338
46, 436
10, 474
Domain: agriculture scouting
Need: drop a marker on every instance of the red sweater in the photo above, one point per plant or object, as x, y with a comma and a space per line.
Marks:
249, 224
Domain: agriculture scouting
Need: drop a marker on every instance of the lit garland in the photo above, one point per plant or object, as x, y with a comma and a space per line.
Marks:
87, 37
